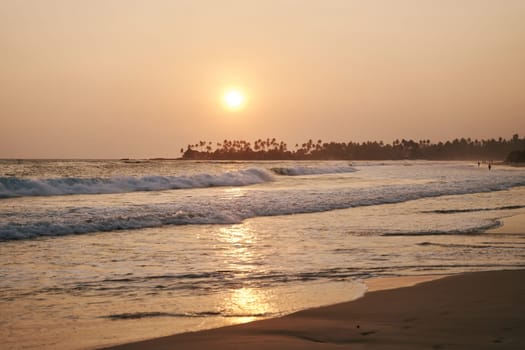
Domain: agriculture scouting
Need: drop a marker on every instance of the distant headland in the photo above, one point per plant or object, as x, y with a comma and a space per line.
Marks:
272, 149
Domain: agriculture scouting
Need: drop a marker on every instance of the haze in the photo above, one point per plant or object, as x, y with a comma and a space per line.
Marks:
112, 79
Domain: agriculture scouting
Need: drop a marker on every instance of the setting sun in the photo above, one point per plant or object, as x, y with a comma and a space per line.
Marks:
234, 99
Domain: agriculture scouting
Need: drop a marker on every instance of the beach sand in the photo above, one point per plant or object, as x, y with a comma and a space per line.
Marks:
479, 310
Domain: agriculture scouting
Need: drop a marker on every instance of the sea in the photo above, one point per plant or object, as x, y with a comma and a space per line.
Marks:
98, 252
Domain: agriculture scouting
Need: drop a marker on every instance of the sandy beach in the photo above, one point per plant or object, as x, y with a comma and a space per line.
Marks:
190, 267
262, 175
481, 310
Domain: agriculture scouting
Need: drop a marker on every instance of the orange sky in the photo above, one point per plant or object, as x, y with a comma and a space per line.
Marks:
130, 78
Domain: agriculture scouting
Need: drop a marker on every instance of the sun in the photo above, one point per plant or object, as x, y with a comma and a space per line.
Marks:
234, 99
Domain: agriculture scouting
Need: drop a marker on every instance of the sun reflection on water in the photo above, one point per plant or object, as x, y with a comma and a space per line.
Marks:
240, 253
239, 247
247, 304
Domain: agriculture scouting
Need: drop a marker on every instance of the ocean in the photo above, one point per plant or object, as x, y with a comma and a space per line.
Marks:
96, 252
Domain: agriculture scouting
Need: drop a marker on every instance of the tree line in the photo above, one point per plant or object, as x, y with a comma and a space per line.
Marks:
273, 149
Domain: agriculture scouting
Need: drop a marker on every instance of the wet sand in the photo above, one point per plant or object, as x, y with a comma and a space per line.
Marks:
480, 310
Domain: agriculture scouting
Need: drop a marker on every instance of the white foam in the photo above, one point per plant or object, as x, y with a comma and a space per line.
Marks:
215, 210
21, 187
38, 218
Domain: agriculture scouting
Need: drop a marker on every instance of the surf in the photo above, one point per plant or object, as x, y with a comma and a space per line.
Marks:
22, 187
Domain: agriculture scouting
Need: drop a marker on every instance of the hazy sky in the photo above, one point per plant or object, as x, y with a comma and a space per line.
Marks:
130, 78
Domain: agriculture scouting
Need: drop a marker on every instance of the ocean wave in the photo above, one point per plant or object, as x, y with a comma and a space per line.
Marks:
139, 315
304, 170
22, 187
455, 245
106, 220
470, 210
474, 229
177, 210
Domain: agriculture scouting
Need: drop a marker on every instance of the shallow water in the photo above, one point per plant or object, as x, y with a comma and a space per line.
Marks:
151, 263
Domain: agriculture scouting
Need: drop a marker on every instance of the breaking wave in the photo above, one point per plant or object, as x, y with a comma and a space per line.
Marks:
303, 170
21, 187
216, 210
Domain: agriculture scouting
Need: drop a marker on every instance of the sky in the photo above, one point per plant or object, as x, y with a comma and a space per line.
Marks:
140, 79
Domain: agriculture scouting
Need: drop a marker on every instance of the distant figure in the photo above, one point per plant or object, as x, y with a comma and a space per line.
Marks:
479, 164
490, 166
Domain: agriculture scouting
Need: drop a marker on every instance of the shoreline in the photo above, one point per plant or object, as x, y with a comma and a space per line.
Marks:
509, 225
514, 224
387, 283
479, 310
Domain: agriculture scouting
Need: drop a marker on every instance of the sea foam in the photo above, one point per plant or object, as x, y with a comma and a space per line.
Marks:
21, 187
214, 209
